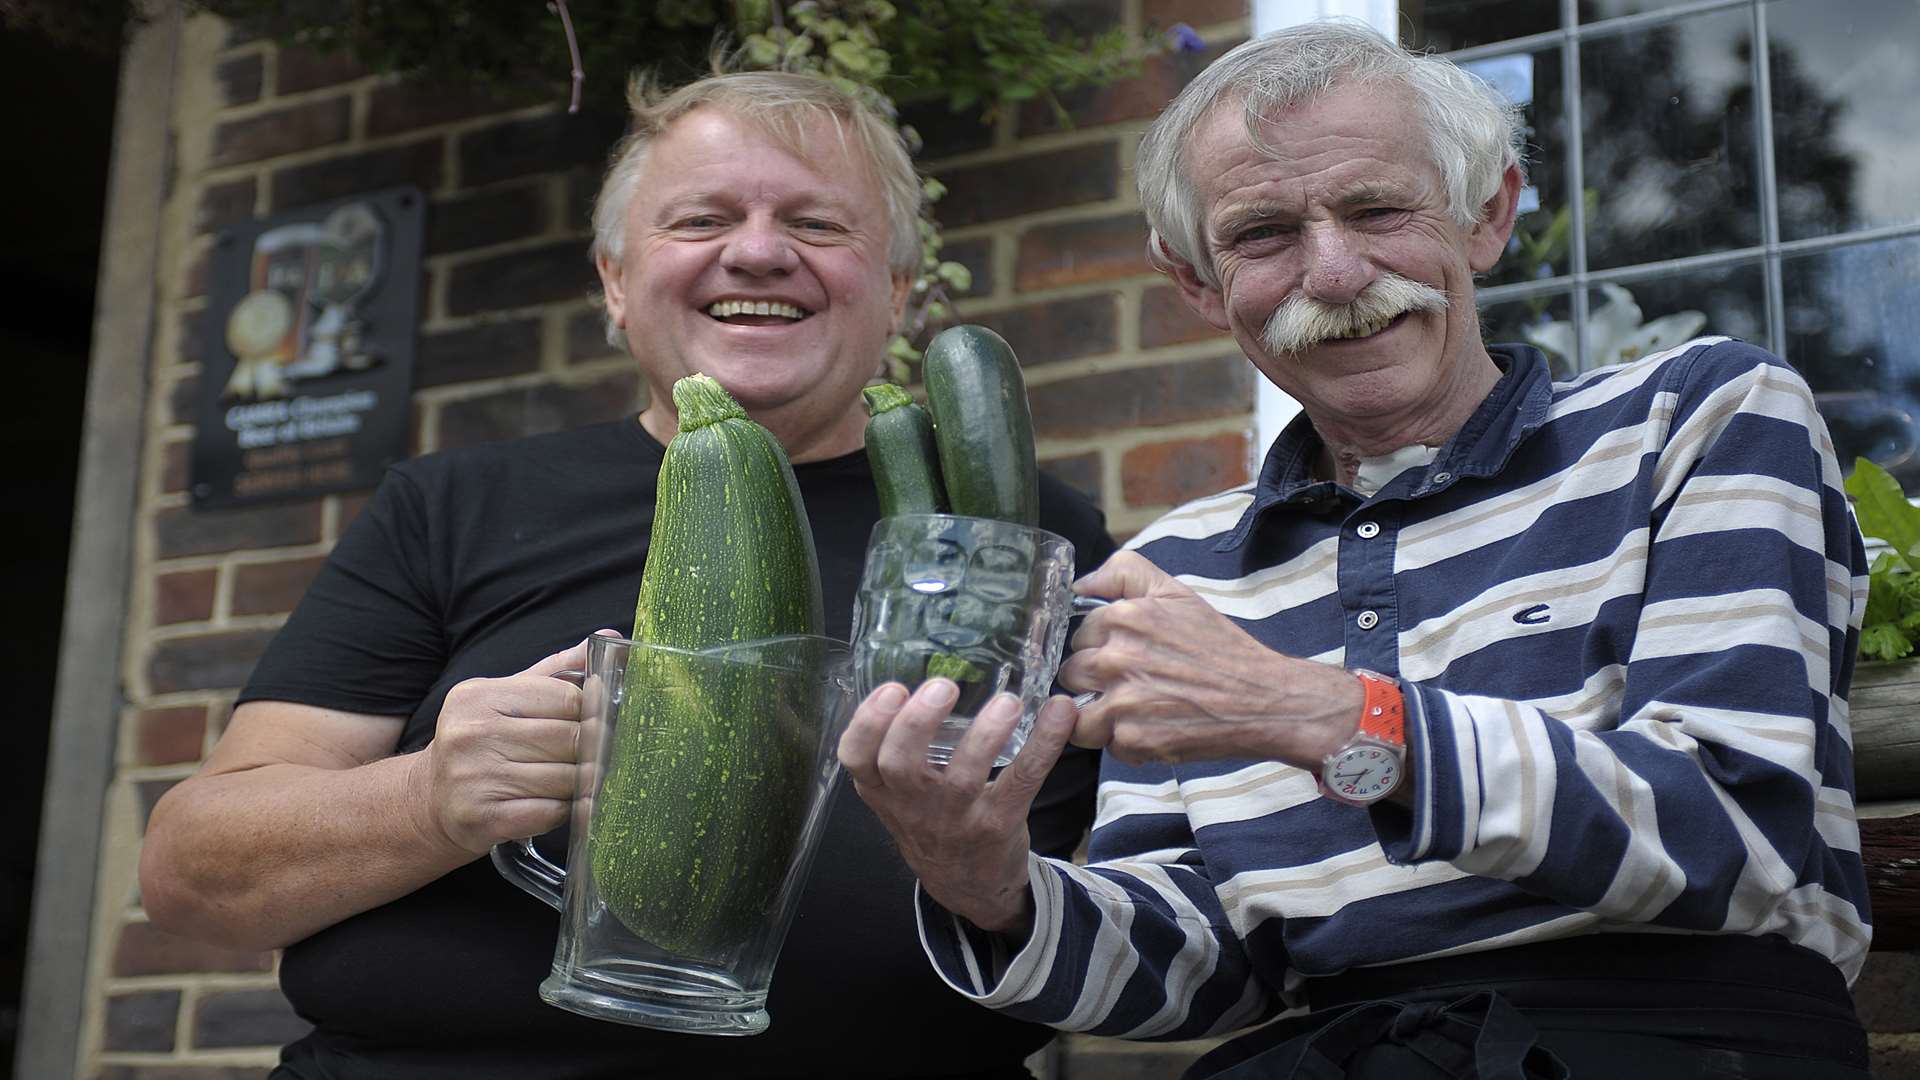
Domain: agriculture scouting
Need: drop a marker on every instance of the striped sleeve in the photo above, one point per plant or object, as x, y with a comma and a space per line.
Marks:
1135, 949
1720, 797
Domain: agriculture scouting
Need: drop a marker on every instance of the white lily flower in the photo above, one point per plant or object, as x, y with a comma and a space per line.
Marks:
1614, 333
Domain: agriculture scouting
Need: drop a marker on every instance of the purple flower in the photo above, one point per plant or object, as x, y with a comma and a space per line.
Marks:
1183, 38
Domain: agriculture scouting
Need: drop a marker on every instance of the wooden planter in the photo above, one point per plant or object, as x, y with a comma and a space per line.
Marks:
1885, 707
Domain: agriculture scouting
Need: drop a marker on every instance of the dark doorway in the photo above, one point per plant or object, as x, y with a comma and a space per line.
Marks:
56, 106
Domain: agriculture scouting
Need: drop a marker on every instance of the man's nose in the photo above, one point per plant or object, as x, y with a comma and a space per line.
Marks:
758, 246
1336, 268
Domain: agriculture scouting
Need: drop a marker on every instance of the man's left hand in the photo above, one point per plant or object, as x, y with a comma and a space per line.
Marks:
1178, 681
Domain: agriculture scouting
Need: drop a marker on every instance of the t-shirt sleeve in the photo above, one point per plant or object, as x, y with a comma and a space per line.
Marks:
368, 636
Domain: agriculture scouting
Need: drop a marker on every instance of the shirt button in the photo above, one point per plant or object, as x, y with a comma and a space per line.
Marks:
1368, 530
1367, 620
1442, 477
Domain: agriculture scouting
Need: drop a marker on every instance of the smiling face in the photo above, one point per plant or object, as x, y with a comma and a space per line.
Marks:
764, 270
1346, 201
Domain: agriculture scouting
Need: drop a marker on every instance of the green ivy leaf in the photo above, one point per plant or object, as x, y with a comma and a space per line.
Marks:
956, 275
1883, 509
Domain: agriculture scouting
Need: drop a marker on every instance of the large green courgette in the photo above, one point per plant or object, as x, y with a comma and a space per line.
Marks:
900, 447
982, 425
703, 795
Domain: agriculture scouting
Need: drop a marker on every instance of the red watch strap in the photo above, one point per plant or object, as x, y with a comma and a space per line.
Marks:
1383, 714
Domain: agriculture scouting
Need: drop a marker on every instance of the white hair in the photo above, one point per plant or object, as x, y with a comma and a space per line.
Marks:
1474, 134
783, 105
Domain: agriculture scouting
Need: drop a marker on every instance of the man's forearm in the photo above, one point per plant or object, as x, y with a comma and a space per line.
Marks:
266, 856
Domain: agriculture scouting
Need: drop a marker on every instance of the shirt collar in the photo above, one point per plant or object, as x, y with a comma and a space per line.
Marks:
1515, 408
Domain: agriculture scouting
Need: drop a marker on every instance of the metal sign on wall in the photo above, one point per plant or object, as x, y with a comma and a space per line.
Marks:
308, 371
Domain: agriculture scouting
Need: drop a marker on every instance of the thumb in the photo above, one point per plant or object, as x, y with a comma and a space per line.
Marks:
571, 658
1124, 576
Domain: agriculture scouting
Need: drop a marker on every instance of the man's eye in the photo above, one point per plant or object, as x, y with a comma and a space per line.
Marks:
1261, 233
700, 221
814, 225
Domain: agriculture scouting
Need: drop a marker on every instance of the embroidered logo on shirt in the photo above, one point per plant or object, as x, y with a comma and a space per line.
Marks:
1532, 616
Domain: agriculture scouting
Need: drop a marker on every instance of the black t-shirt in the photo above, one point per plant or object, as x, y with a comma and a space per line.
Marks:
478, 562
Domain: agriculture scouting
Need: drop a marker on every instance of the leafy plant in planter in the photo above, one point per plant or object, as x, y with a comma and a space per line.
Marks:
1892, 622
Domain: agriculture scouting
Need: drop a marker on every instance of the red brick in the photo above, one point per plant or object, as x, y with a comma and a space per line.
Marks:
539, 275
205, 661
1168, 473
1056, 330
1142, 397
587, 337
1165, 319
271, 588
540, 144
174, 465
1045, 181
144, 950
485, 350
494, 216
409, 105
1140, 97
240, 79
183, 399
234, 1018
199, 271
1164, 13
185, 596
418, 163
281, 131
944, 133
141, 1021
1075, 252
225, 204
351, 504
310, 69
183, 530
977, 256
169, 736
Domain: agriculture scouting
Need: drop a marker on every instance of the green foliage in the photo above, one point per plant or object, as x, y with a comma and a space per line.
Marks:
1892, 622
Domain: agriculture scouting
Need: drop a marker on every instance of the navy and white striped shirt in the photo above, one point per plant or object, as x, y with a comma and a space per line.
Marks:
1623, 612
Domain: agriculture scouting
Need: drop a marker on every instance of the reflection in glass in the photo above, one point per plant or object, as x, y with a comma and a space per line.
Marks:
1846, 133
1853, 330
1541, 236
1669, 140
1504, 321
1728, 300
1445, 25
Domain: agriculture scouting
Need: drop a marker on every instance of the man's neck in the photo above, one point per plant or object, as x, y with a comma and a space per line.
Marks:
802, 441
1345, 444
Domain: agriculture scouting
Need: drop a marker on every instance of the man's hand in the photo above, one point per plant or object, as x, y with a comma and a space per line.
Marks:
1178, 681
502, 762
964, 836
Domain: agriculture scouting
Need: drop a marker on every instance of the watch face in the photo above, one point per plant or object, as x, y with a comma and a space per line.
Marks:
1363, 773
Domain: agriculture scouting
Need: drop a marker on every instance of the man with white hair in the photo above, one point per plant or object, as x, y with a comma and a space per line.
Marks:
1499, 727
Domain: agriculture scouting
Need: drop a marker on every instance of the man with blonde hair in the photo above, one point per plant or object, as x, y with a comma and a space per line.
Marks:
760, 228
1501, 723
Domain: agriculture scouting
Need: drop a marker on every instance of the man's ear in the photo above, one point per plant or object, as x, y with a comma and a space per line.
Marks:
613, 288
1206, 300
1487, 241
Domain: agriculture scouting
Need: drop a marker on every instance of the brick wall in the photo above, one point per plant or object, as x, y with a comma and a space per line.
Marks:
1135, 401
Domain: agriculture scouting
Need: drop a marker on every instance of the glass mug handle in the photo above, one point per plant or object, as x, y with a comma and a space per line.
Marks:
521, 863
1080, 606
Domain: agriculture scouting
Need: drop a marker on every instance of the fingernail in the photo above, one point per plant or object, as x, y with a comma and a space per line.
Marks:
940, 693
890, 697
1004, 702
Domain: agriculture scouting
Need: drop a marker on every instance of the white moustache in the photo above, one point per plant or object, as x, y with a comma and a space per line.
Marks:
1301, 322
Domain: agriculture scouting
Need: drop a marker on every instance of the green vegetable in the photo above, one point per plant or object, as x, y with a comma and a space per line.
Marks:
982, 425
703, 796
906, 465
1892, 620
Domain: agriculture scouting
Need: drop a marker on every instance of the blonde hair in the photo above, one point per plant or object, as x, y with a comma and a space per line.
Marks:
785, 106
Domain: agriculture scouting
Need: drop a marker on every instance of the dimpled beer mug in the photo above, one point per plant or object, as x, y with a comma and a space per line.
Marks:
704, 783
982, 602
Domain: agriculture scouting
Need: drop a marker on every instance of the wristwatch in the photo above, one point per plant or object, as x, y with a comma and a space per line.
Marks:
1373, 762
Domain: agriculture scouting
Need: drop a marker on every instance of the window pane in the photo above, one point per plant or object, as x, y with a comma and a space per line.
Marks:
1445, 25
1541, 239
1846, 131
1630, 319
1591, 11
1669, 140
1529, 321
1853, 330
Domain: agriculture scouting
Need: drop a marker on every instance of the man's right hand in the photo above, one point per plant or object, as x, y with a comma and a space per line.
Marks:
502, 763
963, 835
